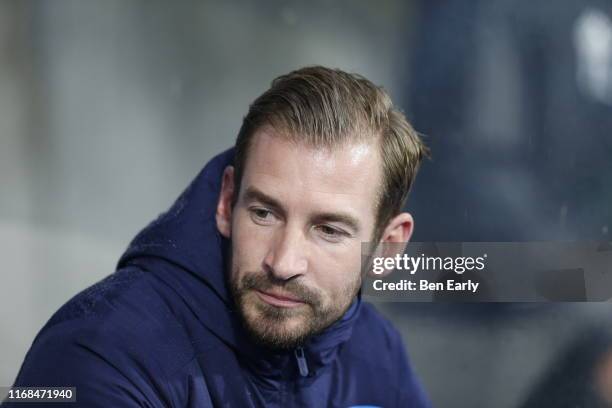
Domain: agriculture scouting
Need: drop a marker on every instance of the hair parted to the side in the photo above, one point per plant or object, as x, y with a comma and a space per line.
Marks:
323, 107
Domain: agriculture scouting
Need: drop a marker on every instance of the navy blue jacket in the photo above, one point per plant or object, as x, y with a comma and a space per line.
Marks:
162, 332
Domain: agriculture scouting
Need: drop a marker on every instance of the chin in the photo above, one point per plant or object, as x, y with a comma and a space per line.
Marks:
273, 328
279, 335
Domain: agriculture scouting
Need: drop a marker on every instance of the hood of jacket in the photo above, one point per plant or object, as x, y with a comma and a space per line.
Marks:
184, 246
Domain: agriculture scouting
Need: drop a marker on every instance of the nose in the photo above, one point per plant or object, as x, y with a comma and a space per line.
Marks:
286, 257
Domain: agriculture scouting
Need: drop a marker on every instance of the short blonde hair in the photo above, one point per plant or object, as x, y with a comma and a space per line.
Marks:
325, 107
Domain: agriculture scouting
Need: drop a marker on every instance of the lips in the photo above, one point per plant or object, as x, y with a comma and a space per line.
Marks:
279, 300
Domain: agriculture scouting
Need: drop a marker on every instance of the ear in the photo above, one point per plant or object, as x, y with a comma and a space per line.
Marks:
394, 238
224, 205
398, 230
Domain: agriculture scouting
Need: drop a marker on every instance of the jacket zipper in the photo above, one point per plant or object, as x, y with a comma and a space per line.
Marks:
301, 361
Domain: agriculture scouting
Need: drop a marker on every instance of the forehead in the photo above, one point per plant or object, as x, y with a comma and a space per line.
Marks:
348, 175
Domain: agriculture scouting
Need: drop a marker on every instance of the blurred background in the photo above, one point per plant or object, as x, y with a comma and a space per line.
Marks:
109, 108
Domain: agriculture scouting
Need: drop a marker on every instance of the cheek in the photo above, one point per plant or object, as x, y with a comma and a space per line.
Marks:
337, 271
249, 244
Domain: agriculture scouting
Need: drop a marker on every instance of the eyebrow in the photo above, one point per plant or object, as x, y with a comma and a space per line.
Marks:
254, 194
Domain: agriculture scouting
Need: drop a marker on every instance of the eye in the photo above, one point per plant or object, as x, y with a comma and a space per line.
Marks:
331, 233
261, 215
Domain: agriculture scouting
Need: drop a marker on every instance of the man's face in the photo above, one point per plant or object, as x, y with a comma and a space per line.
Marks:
296, 232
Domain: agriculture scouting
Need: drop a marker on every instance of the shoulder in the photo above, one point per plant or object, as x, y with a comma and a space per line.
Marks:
116, 335
376, 346
376, 330
124, 310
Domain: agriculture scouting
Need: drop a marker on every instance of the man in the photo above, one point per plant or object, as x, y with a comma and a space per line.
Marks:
246, 292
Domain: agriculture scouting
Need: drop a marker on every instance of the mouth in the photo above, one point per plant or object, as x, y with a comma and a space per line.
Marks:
279, 300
